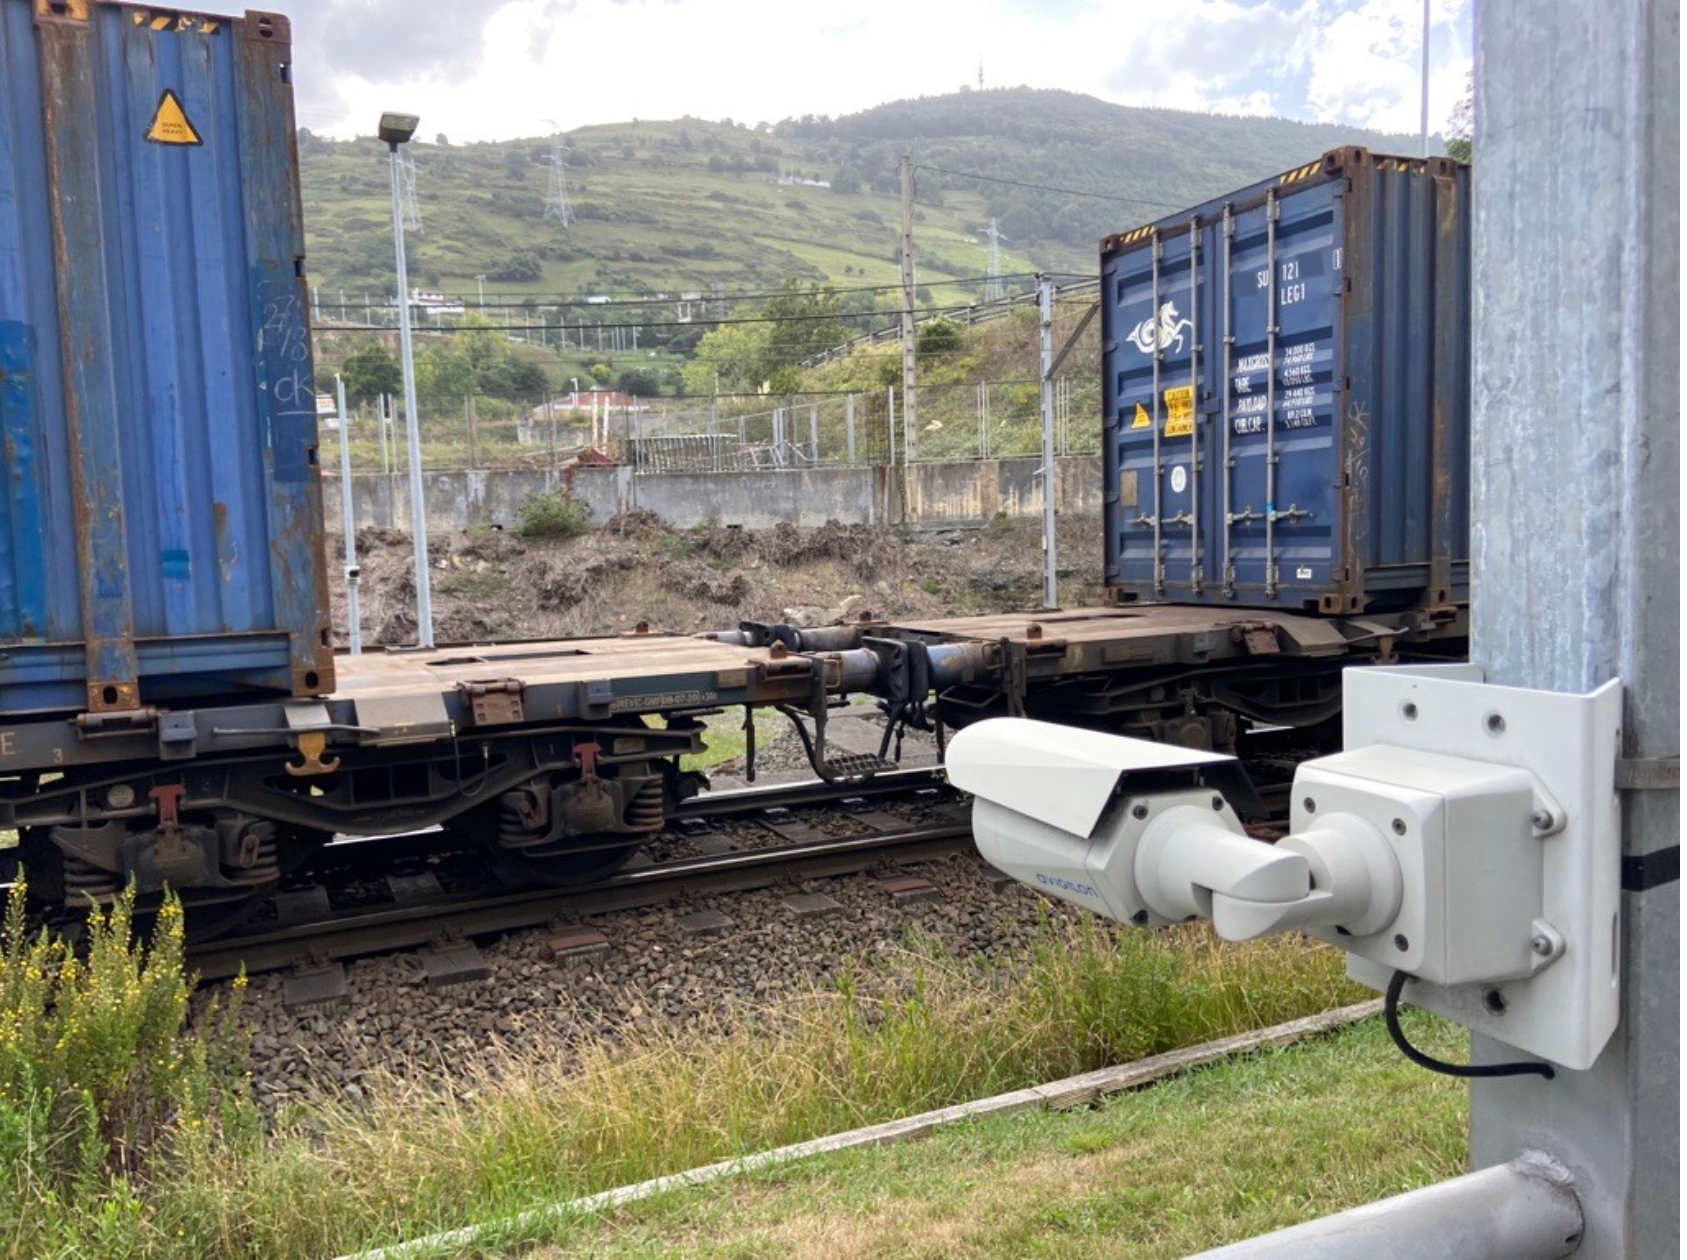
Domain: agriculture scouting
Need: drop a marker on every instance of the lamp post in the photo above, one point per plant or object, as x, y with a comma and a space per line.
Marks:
396, 129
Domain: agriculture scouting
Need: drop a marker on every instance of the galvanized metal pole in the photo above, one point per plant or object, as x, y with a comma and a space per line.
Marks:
1423, 122
1576, 495
1045, 330
418, 507
1523, 1210
348, 520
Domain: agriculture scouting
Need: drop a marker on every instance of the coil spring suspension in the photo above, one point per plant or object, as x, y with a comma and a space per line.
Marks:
260, 861
516, 826
85, 883
646, 812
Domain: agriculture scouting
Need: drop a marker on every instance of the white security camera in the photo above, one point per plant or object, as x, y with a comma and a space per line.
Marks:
1136, 830
1467, 839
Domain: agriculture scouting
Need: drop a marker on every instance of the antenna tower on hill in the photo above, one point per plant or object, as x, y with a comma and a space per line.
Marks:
993, 289
556, 198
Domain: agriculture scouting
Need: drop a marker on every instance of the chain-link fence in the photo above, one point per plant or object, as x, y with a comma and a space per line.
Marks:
974, 419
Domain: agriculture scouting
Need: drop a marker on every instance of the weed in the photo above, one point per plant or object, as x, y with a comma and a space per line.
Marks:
102, 1084
556, 514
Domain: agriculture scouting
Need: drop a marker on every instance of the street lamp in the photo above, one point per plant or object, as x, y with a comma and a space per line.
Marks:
396, 129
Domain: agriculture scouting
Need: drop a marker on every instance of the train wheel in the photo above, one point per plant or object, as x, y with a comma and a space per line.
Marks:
593, 858
62, 888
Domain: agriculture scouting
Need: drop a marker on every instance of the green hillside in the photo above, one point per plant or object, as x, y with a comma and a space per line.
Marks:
688, 205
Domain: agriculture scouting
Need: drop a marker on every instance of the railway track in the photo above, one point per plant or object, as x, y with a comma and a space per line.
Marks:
428, 890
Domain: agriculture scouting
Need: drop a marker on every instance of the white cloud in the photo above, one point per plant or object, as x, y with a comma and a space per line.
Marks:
580, 62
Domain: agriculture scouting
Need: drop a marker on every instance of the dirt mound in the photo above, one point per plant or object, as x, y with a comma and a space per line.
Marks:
558, 582
488, 584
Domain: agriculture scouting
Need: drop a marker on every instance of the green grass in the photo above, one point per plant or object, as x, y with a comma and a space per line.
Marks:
723, 737
1217, 1155
654, 217
915, 1030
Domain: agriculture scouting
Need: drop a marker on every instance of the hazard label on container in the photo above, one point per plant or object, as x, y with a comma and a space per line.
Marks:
1180, 411
1142, 421
170, 124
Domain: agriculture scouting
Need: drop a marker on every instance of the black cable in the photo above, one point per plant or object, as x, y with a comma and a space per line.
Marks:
1391, 1016
514, 301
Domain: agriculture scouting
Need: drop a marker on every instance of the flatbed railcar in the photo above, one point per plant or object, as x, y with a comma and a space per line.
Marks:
562, 757
171, 713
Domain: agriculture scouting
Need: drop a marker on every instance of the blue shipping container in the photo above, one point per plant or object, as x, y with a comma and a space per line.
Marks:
162, 533
1286, 385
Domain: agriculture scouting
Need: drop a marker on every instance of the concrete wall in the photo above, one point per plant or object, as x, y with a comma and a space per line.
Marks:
970, 490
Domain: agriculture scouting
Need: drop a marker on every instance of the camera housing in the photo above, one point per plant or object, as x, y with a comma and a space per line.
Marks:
1467, 837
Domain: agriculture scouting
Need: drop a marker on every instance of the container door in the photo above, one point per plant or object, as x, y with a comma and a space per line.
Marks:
1156, 307
1280, 520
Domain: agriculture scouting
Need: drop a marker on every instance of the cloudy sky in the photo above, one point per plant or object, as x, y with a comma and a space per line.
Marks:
496, 69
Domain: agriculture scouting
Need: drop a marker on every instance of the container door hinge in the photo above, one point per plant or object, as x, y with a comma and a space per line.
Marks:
494, 702
117, 722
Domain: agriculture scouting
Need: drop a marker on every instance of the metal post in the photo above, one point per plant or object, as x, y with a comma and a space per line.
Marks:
348, 519
908, 366
1195, 568
814, 433
418, 506
1226, 351
1158, 357
1271, 395
899, 508
1045, 327
1423, 123
849, 427
1523, 1210
1574, 561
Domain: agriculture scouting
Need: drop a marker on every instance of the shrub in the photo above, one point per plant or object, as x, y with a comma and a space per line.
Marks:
557, 514
101, 1078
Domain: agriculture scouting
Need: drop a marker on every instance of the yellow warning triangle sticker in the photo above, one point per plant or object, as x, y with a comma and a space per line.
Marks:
1142, 421
170, 124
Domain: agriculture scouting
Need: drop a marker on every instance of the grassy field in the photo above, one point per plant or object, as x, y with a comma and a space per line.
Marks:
692, 204
1220, 1154
913, 1030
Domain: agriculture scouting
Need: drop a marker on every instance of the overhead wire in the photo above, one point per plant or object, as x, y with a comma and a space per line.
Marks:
471, 301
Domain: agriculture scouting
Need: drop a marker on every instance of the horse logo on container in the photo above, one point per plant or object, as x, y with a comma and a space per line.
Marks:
1161, 332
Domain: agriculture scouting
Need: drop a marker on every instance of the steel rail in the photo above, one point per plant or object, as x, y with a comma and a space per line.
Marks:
355, 933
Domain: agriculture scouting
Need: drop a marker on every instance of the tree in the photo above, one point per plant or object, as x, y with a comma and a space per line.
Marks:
767, 350
804, 323
443, 372
515, 379
733, 356
371, 372
939, 336
522, 267
1461, 124
638, 382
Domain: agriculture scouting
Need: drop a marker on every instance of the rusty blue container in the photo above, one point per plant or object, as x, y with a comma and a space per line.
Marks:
1286, 392
162, 534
